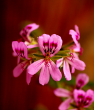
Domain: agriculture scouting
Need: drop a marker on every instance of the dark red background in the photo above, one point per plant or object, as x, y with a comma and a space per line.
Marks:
53, 16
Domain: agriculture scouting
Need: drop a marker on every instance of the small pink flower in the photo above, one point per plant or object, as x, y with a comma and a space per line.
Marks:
49, 46
73, 61
75, 35
20, 50
25, 32
81, 80
83, 99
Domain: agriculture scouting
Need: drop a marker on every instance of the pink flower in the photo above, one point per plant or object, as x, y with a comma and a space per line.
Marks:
75, 35
83, 99
25, 32
64, 93
81, 80
20, 50
73, 61
60, 92
49, 46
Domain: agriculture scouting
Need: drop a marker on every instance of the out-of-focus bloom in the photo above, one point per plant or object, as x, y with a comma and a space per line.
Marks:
49, 46
64, 93
75, 35
83, 99
25, 32
73, 61
60, 92
81, 80
20, 50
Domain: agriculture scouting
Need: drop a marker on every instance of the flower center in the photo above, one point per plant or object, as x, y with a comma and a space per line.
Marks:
47, 60
49, 49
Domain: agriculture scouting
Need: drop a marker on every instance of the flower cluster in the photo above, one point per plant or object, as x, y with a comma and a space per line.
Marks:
44, 52
81, 98
47, 54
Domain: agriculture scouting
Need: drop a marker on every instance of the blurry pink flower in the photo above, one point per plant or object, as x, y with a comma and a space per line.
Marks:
20, 68
64, 93
49, 46
25, 32
75, 35
83, 99
20, 50
73, 61
81, 80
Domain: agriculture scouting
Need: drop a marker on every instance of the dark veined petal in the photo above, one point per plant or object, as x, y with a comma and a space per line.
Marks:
56, 39
81, 80
79, 96
89, 98
25, 32
23, 48
41, 40
14, 45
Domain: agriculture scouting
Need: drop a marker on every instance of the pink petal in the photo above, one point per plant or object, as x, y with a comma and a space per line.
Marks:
28, 77
34, 26
14, 45
72, 69
81, 80
44, 75
76, 93
22, 46
75, 48
74, 34
76, 63
59, 62
77, 31
35, 67
66, 70
27, 30
57, 40
41, 40
19, 69
66, 104
89, 94
62, 92
54, 71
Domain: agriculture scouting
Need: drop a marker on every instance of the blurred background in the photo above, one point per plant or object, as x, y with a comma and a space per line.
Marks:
54, 17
